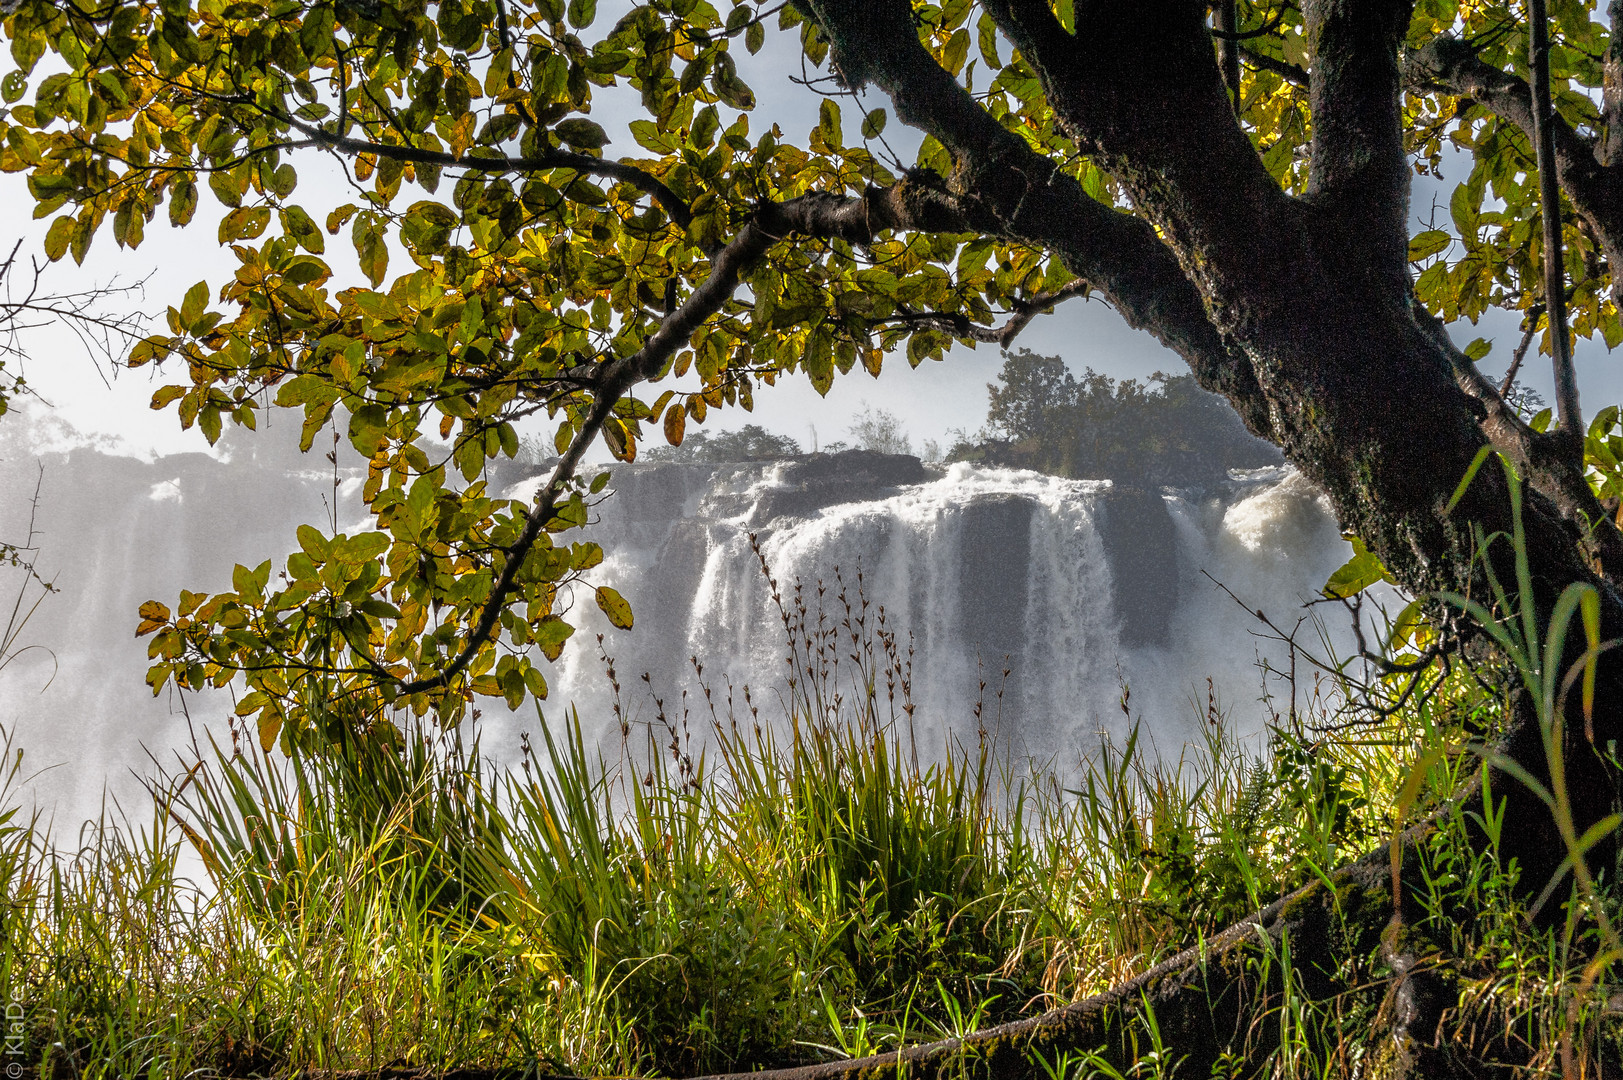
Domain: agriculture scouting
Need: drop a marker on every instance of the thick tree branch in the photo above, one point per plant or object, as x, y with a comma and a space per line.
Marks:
1032, 27
1308, 333
1611, 147
1358, 170
1153, 111
1001, 336
1452, 66
1228, 48
645, 182
1541, 459
1286, 70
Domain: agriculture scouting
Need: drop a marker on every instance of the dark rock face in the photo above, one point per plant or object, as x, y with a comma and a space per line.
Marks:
815, 481
994, 569
667, 596
1141, 545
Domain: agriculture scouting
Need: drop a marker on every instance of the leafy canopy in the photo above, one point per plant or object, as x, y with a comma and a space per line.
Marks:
513, 271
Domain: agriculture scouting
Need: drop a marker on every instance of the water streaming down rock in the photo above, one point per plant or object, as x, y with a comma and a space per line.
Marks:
114, 531
1078, 589
1083, 586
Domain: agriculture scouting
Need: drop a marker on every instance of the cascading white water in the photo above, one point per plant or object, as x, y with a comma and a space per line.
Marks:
1076, 588
1083, 586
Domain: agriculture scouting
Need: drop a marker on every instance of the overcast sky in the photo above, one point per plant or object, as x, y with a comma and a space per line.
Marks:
931, 401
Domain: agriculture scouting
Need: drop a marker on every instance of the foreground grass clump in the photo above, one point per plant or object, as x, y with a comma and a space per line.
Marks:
728, 890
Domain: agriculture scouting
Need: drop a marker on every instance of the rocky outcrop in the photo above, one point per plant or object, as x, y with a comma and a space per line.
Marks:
810, 483
993, 574
1142, 549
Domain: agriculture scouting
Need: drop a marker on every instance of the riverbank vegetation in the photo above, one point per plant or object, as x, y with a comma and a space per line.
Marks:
755, 880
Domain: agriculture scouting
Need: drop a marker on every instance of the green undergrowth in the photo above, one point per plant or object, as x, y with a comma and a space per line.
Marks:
729, 886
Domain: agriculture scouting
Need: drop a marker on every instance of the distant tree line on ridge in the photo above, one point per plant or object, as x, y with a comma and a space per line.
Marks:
1168, 431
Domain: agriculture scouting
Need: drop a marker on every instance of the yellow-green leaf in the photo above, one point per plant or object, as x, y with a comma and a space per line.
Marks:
1429, 243
614, 606
1357, 574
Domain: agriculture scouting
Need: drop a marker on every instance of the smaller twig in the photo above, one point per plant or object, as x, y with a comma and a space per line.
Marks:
1291, 73
501, 25
1568, 415
1521, 350
1024, 311
1264, 30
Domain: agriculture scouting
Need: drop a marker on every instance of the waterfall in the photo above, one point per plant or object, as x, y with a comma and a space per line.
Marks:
1078, 588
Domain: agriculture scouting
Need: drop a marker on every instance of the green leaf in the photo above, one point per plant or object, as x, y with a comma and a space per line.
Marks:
299, 225
551, 633
957, 49
283, 180
182, 203
370, 248
304, 269
244, 223
828, 123
368, 429
336, 219
57, 237
650, 138
164, 395
270, 725
84, 231
1463, 207
192, 308
1409, 620
581, 133
1357, 574
314, 544
986, 31
614, 606
1429, 243
705, 126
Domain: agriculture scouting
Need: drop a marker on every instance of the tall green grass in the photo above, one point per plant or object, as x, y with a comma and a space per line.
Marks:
729, 885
